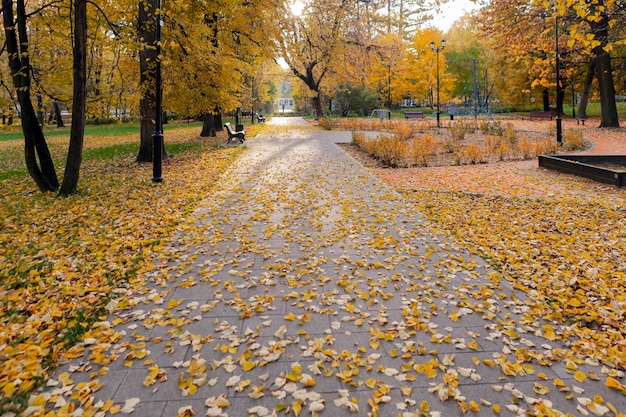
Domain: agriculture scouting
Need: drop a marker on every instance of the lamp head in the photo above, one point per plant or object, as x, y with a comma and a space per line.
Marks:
432, 45
443, 43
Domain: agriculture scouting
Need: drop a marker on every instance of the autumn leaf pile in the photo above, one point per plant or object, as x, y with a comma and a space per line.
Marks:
568, 256
63, 260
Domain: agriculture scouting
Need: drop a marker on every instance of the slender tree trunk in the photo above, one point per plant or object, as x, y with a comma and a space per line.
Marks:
604, 71
546, 99
35, 146
584, 95
79, 103
41, 117
146, 32
57, 115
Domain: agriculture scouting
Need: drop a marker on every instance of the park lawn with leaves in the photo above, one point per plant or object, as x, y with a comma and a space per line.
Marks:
568, 256
559, 238
62, 260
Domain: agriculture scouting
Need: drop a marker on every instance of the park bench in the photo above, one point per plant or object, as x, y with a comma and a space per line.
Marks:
259, 117
413, 115
541, 115
239, 135
581, 120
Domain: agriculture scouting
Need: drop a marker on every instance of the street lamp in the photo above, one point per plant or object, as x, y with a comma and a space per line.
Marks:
559, 98
157, 137
437, 50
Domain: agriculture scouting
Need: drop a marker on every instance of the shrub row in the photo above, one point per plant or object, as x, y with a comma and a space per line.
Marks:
405, 144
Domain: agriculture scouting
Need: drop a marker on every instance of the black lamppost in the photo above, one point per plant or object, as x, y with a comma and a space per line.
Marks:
157, 137
559, 98
437, 50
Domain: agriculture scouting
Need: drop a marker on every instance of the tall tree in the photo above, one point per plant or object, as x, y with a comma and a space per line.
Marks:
146, 34
312, 42
526, 28
600, 29
79, 102
35, 146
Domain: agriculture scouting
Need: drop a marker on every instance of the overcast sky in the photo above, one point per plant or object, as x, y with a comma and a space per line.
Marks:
451, 11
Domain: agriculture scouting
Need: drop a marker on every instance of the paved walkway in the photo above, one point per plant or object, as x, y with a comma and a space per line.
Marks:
306, 285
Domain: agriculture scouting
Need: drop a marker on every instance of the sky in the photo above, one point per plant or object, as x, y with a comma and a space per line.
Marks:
450, 12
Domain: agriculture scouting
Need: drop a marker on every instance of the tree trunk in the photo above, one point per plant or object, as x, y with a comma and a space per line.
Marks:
317, 101
546, 99
608, 106
604, 72
41, 117
208, 126
35, 146
584, 94
146, 31
79, 103
57, 115
219, 126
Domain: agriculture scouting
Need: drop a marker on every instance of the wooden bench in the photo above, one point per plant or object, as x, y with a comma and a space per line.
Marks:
541, 115
581, 120
239, 135
413, 115
259, 117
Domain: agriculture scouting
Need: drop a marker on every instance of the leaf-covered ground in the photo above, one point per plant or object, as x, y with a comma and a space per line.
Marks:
302, 285
62, 260
560, 238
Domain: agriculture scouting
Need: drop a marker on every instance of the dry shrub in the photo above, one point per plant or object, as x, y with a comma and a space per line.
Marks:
493, 143
391, 150
449, 145
573, 139
358, 138
458, 129
367, 144
504, 151
403, 131
546, 146
472, 126
422, 148
491, 127
325, 123
508, 133
526, 148
474, 154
